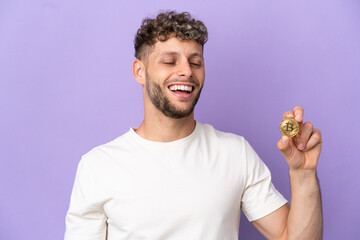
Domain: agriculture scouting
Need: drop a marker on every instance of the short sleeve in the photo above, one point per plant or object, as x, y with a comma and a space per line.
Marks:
85, 219
260, 197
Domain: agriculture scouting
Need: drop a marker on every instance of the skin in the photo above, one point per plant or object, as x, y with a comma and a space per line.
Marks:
301, 220
172, 61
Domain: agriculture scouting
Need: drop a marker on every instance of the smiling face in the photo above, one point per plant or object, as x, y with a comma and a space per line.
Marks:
175, 75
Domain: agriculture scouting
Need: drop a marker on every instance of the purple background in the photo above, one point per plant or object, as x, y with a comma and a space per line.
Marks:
66, 86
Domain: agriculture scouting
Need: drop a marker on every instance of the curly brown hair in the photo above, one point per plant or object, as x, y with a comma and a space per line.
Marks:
166, 25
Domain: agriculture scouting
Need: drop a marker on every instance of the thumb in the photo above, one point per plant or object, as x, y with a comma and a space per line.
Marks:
284, 146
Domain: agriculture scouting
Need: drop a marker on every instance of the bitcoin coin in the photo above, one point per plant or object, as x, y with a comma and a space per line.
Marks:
289, 127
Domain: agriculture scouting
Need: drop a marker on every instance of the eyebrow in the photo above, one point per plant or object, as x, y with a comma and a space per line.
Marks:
196, 55
169, 53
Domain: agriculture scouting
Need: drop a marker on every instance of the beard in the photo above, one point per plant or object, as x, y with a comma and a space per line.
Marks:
162, 102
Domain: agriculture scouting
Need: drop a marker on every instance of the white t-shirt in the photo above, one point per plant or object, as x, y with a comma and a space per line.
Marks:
193, 188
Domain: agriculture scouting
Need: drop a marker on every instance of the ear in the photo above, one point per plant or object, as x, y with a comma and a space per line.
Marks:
138, 69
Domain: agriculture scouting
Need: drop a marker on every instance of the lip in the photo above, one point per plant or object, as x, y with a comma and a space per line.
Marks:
182, 83
182, 95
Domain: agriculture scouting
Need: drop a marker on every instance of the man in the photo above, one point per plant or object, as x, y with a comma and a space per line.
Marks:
175, 178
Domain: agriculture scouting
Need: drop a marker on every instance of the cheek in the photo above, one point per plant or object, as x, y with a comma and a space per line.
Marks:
165, 77
160, 74
200, 75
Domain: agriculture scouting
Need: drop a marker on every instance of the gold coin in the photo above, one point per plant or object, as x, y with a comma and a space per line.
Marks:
289, 127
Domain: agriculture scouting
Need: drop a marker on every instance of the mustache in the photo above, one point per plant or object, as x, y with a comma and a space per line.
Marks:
169, 82
172, 81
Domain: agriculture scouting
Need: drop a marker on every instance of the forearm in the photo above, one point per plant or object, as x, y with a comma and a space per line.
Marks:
305, 220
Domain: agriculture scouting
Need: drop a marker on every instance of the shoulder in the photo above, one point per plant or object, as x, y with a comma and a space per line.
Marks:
106, 152
227, 141
222, 137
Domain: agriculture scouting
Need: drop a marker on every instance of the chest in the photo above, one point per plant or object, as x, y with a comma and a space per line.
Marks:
144, 193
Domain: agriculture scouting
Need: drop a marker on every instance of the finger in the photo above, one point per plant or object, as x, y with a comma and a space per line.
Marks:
299, 113
299, 116
315, 139
288, 114
284, 146
306, 132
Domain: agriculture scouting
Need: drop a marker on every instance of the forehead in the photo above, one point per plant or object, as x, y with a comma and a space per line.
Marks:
176, 46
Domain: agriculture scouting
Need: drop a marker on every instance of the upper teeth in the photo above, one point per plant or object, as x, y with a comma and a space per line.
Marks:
181, 87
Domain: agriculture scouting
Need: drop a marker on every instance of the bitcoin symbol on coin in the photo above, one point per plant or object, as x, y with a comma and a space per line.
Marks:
289, 127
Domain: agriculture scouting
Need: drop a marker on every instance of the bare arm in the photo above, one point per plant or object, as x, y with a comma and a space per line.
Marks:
305, 216
303, 219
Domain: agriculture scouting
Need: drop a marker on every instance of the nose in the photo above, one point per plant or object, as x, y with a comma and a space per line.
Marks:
184, 70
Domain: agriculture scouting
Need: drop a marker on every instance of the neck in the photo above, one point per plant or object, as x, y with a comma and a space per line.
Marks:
160, 128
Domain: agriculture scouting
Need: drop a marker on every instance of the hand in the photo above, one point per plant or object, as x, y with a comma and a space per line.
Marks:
302, 151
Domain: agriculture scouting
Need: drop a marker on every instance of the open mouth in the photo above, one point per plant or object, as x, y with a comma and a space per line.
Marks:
182, 89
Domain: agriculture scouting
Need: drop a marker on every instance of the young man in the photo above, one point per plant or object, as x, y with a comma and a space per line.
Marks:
175, 178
